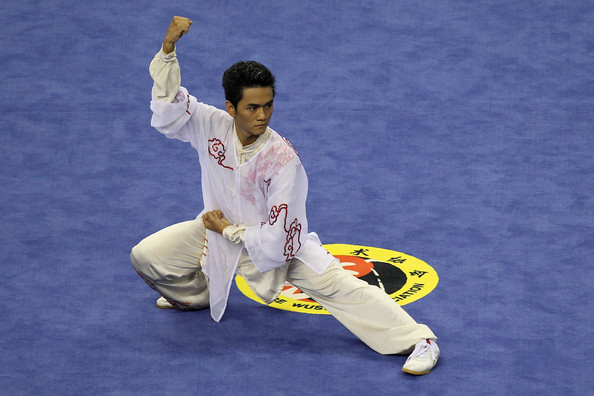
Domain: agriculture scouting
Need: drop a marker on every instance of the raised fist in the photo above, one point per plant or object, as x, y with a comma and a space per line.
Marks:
177, 28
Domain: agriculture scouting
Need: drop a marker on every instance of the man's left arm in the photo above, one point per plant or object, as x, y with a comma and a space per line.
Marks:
276, 241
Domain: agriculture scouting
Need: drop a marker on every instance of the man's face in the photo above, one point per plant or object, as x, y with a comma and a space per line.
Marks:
252, 113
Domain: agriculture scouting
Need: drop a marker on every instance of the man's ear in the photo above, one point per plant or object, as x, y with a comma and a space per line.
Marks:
230, 108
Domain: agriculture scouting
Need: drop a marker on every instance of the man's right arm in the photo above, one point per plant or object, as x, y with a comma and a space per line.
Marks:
164, 68
176, 113
165, 72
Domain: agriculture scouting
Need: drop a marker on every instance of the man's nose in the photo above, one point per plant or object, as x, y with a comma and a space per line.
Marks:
261, 113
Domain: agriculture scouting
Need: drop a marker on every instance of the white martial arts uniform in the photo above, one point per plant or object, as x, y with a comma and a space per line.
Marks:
261, 189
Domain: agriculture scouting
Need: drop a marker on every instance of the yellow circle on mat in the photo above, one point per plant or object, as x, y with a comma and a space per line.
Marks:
421, 278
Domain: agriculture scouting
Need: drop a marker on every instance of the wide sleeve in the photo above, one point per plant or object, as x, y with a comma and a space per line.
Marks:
166, 75
173, 119
275, 242
176, 113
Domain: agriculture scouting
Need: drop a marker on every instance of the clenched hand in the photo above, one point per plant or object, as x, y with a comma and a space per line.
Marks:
215, 221
178, 27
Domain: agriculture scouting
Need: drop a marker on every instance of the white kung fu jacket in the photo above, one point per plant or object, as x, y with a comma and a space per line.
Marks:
267, 194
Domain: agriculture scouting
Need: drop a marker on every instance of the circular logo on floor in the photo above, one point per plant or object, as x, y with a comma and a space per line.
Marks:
404, 278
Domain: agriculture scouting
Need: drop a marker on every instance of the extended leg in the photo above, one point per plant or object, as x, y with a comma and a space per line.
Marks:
365, 310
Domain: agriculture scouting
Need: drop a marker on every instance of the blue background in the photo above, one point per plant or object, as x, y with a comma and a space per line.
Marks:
456, 132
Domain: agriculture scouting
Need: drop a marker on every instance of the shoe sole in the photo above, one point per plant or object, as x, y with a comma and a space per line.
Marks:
416, 372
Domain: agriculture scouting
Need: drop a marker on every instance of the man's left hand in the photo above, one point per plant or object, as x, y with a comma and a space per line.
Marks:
215, 221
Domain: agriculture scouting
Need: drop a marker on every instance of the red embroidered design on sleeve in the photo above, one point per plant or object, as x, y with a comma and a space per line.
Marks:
188, 106
217, 150
292, 244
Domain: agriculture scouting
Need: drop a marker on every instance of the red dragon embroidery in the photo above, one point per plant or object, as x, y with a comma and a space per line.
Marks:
217, 149
293, 231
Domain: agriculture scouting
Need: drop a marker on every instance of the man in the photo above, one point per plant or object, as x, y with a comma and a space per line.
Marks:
254, 222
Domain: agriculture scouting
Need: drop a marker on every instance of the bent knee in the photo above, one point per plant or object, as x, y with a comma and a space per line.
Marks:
139, 257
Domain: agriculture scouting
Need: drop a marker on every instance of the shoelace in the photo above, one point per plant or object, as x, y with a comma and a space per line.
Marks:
423, 351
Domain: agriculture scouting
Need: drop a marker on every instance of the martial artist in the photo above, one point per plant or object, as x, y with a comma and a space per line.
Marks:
254, 221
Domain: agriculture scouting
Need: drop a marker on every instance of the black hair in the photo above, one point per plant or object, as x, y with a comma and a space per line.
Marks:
246, 74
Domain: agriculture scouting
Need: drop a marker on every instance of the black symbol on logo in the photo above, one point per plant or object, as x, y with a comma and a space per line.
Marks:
385, 276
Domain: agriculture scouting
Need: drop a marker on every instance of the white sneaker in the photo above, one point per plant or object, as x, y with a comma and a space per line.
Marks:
164, 304
422, 359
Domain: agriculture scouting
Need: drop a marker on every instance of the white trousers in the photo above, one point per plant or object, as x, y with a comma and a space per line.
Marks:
169, 261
